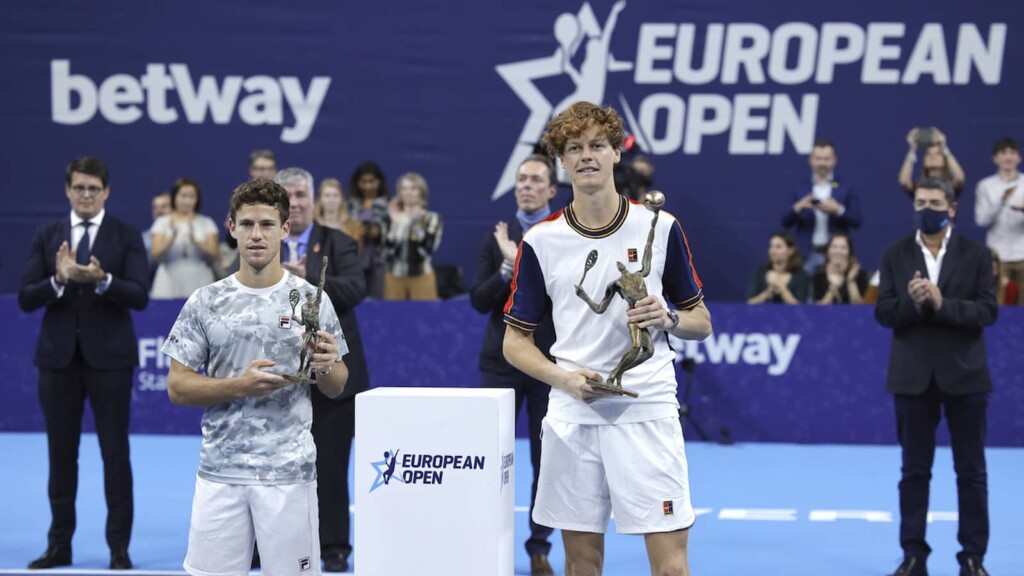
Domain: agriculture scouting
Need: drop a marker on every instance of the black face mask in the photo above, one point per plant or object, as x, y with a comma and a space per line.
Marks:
930, 221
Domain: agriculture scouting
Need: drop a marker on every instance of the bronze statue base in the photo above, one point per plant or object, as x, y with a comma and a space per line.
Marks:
613, 389
298, 379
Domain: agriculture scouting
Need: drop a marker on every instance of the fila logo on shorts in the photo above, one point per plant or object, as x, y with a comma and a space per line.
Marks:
304, 564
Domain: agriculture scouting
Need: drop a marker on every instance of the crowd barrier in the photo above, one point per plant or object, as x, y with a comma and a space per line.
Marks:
802, 374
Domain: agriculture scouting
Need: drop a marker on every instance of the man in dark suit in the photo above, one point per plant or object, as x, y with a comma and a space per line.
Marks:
535, 187
87, 269
828, 204
333, 420
937, 293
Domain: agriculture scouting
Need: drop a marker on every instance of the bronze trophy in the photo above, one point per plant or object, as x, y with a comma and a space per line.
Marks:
311, 321
631, 287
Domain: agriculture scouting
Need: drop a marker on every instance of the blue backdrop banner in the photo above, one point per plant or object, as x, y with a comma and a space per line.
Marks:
726, 97
768, 374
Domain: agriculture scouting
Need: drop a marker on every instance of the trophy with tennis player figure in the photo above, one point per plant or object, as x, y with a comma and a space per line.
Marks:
631, 287
310, 319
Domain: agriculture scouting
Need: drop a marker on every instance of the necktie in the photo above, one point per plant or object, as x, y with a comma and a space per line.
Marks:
293, 251
82, 250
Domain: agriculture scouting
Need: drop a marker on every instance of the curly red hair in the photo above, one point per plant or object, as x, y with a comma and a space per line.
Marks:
576, 120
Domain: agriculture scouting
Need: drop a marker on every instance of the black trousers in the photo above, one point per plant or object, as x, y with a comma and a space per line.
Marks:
535, 394
334, 426
917, 417
62, 395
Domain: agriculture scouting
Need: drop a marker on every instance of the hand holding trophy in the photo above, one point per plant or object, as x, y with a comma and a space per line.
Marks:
631, 287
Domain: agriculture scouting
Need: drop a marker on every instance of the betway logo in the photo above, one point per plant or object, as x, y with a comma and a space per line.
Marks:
120, 98
775, 351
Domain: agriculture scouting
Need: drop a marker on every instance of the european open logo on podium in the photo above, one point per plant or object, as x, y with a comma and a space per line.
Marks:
435, 470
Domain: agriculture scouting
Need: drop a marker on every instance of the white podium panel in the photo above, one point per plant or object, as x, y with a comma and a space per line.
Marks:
434, 482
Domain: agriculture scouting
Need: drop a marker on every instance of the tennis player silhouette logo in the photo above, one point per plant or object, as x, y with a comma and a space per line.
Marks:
385, 470
571, 31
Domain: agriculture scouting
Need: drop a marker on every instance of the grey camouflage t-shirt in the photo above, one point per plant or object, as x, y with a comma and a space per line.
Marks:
224, 327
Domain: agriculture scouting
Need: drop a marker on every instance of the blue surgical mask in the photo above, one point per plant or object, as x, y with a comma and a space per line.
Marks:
930, 221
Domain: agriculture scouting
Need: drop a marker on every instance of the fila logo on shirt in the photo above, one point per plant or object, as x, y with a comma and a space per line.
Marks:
304, 564
284, 322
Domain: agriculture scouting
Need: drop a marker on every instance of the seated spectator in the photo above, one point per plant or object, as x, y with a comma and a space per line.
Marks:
184, 245
412, 236
1007, 291
841, 280
937, 162
368, 203
332, 211
782, 279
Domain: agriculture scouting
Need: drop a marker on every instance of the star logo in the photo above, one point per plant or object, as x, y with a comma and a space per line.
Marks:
385, 470
571, 30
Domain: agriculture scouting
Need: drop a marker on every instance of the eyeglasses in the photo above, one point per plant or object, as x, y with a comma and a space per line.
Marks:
81, 190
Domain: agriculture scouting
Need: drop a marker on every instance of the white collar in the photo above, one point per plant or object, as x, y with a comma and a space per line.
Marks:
97, 219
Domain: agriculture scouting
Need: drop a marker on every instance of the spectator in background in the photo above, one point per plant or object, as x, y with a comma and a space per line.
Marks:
841, 280
161, 205
332, 211
262, 164
184, 245
88, 270
782, 279
827, 205
227, 251
1007, 291
635, 178
535, 187
413, 234
368, 203
937, 161
999, 208
306, 245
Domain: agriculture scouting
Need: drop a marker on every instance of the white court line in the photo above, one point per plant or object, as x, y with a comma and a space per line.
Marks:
71, 571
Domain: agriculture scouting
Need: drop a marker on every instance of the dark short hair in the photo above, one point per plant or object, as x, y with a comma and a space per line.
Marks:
931, 183
1005, 143
262, 153
181, 183
260, 191
545, 160
89, 165
824, 143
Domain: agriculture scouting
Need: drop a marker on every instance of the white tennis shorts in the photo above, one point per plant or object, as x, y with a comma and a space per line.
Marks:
228, 518
638, 471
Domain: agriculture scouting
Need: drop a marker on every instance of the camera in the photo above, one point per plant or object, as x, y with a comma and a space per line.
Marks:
925, 137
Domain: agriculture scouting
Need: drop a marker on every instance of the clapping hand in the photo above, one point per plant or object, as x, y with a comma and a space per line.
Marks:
298, 269
508, 247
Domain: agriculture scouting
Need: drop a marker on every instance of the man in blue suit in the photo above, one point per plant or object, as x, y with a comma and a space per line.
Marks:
87, 269
822, 207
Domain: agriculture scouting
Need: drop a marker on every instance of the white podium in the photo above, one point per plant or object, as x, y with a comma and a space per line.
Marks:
434, 482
